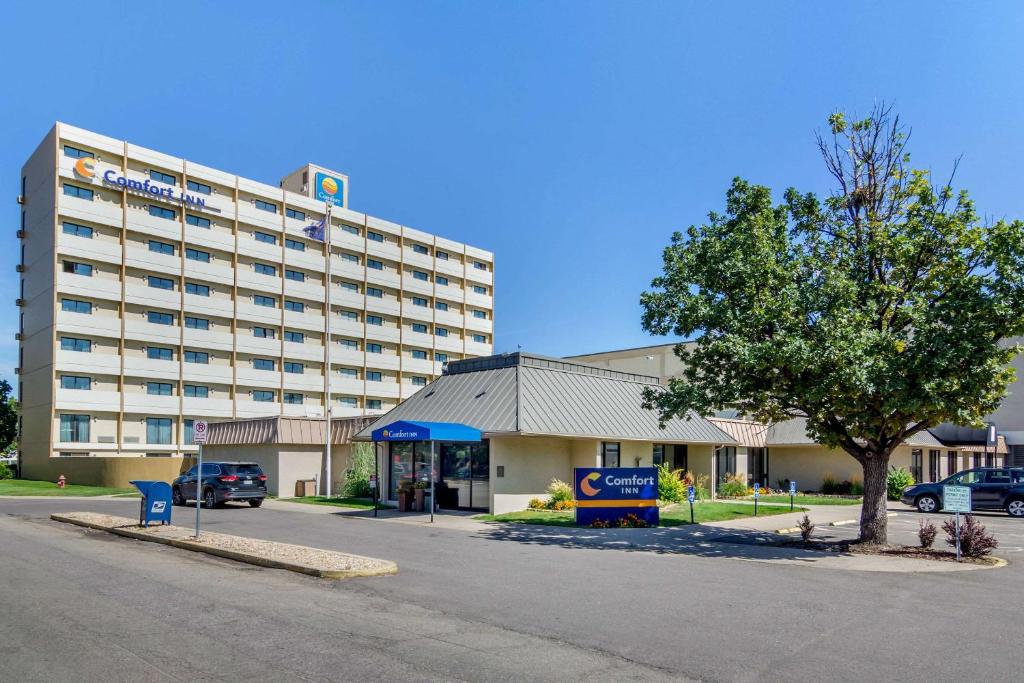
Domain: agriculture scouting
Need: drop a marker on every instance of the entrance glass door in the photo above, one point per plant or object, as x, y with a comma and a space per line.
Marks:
465, 476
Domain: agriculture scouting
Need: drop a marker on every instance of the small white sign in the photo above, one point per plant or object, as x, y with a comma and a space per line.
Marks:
200, 428
158, 506
956, 498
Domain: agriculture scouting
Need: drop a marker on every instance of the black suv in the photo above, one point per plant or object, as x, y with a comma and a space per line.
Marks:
992, 488
222, 481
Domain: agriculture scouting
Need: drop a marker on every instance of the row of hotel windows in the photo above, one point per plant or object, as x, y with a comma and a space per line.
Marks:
191, 253
159, 211
84, 383
952, 463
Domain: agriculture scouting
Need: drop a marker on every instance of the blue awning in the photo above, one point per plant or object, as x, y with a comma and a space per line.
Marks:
426, 431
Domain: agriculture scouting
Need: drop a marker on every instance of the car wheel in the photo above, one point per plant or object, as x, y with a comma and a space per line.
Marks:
255, 502
927, 504
176, 497
209, 499
1015, 508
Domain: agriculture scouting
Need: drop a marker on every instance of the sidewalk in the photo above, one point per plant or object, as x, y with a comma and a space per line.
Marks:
821, 515
447, 519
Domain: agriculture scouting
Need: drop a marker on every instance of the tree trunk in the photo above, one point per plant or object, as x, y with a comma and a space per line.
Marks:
874, 519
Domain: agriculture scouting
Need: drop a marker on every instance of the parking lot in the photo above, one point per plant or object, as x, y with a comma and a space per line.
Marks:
464, 602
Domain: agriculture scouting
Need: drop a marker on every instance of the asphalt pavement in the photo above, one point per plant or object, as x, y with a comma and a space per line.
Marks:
499, 602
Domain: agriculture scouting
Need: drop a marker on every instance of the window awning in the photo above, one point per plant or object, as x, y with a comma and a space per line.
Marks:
426, 431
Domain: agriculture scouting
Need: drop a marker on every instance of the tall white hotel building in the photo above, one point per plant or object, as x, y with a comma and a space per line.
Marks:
155, 291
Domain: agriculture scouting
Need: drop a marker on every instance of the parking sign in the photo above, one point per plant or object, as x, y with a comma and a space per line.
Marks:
792, 488
199, 431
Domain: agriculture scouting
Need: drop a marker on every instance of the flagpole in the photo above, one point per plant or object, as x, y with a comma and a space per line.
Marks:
327, 354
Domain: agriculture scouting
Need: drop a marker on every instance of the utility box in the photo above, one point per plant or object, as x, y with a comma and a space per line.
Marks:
305, 487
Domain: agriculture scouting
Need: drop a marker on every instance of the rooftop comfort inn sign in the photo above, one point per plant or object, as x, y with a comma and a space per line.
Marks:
610, 493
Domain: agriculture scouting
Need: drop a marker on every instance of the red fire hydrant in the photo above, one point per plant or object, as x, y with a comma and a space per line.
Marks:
61, 481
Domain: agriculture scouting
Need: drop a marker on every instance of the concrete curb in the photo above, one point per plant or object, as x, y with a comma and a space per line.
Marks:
841, 522
387, 567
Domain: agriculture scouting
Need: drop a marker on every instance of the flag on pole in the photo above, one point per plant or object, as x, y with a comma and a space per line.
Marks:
317, 231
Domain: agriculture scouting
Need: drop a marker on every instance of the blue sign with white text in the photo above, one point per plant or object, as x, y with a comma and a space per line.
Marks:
792, 488
609, 494
330, 189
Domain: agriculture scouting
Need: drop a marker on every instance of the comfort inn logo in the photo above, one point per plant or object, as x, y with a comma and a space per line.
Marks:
586, 486
329, 186
85, 167
386, 434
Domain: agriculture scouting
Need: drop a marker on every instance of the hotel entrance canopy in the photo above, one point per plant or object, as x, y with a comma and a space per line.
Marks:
404, 430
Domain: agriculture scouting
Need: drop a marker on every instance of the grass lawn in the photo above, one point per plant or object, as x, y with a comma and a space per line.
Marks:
675, 516
354, 503
810, 500
29, 487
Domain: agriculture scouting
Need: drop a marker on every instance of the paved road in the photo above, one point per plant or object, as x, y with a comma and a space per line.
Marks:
597, 609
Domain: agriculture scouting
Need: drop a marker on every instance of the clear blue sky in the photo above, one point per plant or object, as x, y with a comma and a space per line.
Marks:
570, 138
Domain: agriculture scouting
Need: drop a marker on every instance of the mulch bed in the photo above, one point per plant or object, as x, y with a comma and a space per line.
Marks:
910, 551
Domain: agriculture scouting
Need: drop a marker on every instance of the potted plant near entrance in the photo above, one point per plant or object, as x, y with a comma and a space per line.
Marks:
420, 493
405, 495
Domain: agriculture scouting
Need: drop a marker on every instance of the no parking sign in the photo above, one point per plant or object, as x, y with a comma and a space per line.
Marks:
200, 428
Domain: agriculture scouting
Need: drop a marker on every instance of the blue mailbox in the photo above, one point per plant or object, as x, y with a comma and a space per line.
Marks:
156, 502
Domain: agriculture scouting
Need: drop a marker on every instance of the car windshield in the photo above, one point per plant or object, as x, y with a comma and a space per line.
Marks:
244, 470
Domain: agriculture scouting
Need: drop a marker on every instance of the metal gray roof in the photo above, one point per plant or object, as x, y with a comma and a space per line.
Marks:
794, 433
530, 394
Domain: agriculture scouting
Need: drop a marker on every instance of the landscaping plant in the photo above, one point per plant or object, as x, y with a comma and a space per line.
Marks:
537, 504
975, 541
806, 528
734, 486
5, 471
699, 482
560, 491
926, 533
896, 480
671, 486
357, 476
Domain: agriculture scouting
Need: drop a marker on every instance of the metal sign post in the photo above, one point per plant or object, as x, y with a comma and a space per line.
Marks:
690, 493
199, 432
757, 494
792, 493
956, 499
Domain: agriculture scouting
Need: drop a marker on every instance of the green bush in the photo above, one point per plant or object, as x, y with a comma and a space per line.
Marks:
856, 487
360, 467
5, 471
897, 479
671, 487
559, 491
733, 486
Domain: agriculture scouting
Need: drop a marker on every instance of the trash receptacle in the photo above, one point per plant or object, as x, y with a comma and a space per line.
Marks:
156, 502
305, 487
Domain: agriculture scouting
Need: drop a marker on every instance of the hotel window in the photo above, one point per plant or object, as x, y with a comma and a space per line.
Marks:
609, 454
348, 401
441, 357
349, 373
374, 320
348, 315
479, 339
420, 249
374, 348
443, 255
263, 300
349, 286
990, 459
295, 213
294, 337
373, 404
75, 344
79, 192
480, 314
197, 221
76, 153
419, 301
159, 353
75, 382
294, 368
418, 381
374, 264
197, 323
265, 206
200, 357
351, 229
161, 247
726, 462
374, 236
658, 454
419, 354
420, 275
263, 363
158, 318
374, 376
419, 327
477, 289
294, 244
264, 332
293, 399
351, 258
201, 188
294, 306
951, 463
77, 230
262, 395
158, 388
441, 280
479, 265
441, 331
158, 430
916, 466
74, 428
160, 282
161, 212
264, 269
375, 292
295, 275
161, 177
440, 305
196, 391
198, 290
350, 344
190, 432
933, 465
78, 268
76, 306
265, 237
197, 255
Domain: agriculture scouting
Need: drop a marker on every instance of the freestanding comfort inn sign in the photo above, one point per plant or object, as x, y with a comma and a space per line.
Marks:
611, 493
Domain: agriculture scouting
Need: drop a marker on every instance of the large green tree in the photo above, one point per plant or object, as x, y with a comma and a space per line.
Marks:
875, 312
8, 416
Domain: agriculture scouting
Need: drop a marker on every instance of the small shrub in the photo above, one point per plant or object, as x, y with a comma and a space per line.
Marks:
563, 504
783, 484
975, 541
599, 524
828, 485
926, 533
856, 487
559, 490
357, 476
671, 486
806, 528
537, 504
897, 479
699, 482
733, 486
5, 471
